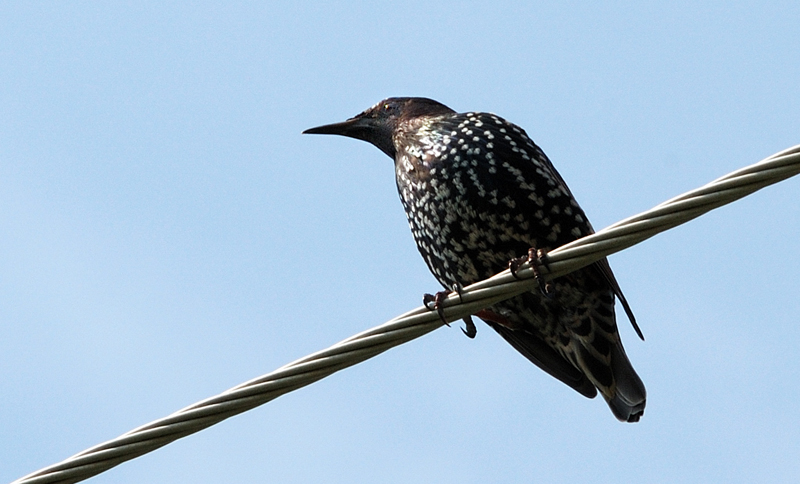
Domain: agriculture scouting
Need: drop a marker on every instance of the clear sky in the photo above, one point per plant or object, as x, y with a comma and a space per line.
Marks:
166, 233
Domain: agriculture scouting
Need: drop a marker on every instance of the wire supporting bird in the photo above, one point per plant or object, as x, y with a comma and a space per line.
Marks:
478, 193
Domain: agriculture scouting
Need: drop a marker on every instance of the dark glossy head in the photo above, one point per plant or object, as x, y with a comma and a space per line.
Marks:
378, 123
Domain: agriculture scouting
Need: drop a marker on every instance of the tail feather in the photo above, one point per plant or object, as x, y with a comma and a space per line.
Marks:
576, 342
601, 356
628, 400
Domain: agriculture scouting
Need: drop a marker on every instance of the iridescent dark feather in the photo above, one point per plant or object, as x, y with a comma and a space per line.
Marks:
478, 193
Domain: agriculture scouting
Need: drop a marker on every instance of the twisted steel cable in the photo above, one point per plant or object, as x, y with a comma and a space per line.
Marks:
419, 321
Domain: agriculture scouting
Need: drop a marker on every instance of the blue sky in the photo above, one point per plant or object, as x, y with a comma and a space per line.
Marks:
166, 233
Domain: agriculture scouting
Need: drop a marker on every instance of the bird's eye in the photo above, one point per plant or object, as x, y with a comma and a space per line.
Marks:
387, 107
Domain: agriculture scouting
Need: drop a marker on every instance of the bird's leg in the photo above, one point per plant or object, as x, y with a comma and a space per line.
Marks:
437, 300
536, 258
491, 316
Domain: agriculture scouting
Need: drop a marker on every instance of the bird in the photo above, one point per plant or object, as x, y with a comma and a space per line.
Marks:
478, 194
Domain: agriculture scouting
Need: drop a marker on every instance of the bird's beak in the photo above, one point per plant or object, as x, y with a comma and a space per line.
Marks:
354, 128
364, 128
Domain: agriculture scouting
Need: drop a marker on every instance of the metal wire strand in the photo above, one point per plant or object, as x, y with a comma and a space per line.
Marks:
418, 322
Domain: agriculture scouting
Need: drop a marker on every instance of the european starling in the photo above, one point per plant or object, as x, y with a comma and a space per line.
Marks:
478, 193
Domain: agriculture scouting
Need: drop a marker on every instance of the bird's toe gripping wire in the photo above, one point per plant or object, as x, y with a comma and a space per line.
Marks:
436, 303
536, 259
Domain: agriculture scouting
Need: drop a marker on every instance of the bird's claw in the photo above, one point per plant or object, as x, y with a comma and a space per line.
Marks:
435, 303
536, 259
470, 330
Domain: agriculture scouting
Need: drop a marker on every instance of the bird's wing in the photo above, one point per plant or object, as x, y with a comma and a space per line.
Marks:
605, 270
602, 265
541, 355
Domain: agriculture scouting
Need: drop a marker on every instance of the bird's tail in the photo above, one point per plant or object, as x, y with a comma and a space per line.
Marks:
602, 358
628, 398
584, 351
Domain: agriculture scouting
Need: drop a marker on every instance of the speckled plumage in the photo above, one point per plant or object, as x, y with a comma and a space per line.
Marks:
478, 193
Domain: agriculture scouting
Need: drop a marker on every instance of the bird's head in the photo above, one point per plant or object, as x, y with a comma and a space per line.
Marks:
377, 124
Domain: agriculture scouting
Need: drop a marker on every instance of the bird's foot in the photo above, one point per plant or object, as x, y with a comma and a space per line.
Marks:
435, 302
536, 259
